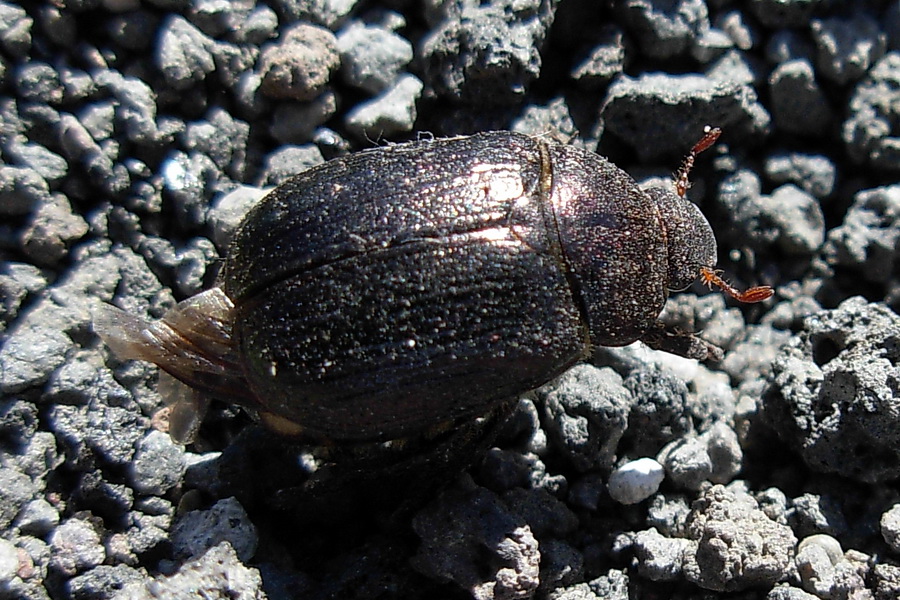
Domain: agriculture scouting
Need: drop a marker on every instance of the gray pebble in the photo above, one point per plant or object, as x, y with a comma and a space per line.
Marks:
798, 103
387, 115
148, 533
103, 498
50, 166
16, 489
38, 518
218, 573
648, 112
660, 558
299, 65
228, 210
18, 421
546, 516
785, 591
814, 174
76, 547
295, 122
840, 365
735, 67
501, 470
485, 53
158, 464
714, 456
226, 521
220, 137
866, 241
51, 230
183, 53
731, 530
38, 82
261, 24
797, 218
667, 513
890, 527
189, 179
15, 29
328, 14
603, 62
9, 562
752, 356
553, 119
659, 411
288, 161
372, 57
469, 537
18, 281
874, 107
194, 263
664, 29
37, 458
96, 434
817, 514
585, 413
30, 354
847, 47
102, 582
21, 190
741, 30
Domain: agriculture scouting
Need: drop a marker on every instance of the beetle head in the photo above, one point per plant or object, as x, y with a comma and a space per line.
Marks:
690, 241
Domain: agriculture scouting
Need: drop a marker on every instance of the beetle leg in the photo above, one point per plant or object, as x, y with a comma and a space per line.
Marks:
688, 345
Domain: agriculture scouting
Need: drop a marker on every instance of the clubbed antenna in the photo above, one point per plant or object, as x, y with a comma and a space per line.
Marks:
754, 294
682, 182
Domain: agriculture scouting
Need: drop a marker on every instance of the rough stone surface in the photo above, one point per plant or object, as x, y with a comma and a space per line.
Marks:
831, 396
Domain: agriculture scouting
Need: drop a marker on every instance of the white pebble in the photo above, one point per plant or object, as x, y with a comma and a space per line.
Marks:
635, 481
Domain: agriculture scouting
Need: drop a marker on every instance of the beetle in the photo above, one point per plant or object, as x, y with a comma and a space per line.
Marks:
400, 288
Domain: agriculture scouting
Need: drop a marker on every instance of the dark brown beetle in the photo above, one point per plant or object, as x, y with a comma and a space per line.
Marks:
406, 287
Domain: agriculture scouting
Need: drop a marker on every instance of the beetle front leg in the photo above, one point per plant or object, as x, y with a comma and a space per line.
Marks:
682, 343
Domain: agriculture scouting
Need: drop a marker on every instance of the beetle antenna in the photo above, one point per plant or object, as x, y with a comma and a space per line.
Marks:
682, 182
711, 278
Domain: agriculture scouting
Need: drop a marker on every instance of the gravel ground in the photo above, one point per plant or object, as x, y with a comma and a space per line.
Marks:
135, 135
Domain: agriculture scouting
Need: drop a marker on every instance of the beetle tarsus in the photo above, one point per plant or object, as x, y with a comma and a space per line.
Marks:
758, 293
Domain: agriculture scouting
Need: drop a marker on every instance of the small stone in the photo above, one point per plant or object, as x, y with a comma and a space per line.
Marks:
198, 531
390, 114
15, 29
847, 47
300, 64
51, 231
287, 162
890, 527
158, 464
37, 518
183, 52
218, 573
75, 547
372, 57
798, 103
635, 481
228, 210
